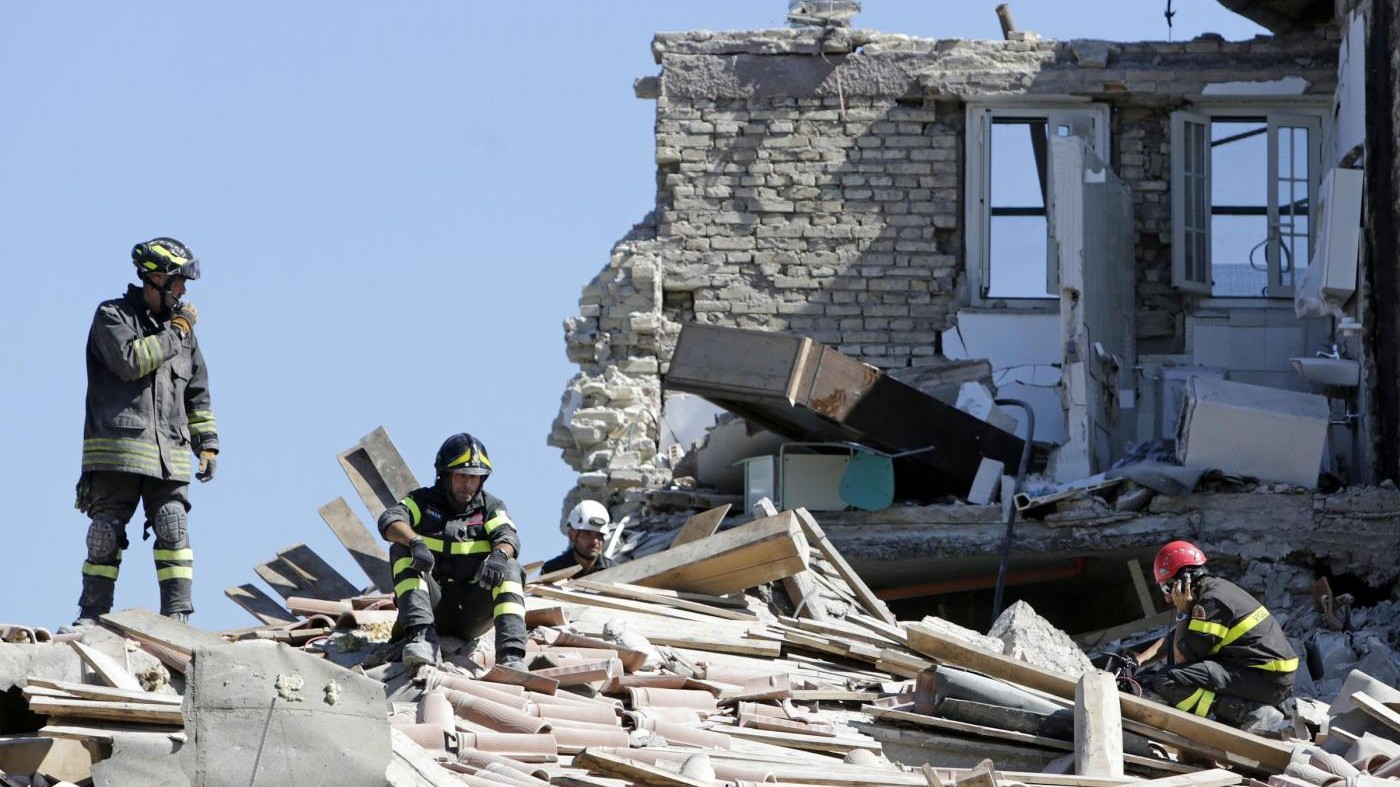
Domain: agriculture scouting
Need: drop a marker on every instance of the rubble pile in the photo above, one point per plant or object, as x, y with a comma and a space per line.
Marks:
806, 678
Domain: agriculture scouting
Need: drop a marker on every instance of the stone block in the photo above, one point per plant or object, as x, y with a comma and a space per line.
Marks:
1027, 636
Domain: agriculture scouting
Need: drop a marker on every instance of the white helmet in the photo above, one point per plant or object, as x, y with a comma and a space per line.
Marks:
589, 515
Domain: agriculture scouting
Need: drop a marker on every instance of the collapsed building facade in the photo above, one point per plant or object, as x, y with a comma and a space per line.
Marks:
1101, 225
1101, 221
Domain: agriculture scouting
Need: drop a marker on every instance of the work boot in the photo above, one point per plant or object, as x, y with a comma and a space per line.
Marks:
182, 617
87, 616
513, 662
1247, 715
420, 647
1266, 721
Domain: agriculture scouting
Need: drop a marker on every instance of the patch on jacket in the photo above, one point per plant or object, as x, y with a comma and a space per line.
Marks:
1198, 612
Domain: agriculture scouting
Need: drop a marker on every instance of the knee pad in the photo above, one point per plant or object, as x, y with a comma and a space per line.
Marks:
105, 538
169, 525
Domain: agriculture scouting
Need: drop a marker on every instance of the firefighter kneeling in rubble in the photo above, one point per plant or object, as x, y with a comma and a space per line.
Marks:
1226, 656
453, 550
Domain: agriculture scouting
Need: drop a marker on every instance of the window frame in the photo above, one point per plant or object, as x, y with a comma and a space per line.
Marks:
977, 257
1274, 115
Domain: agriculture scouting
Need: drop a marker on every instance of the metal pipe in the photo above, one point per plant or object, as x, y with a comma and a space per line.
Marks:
1009, 510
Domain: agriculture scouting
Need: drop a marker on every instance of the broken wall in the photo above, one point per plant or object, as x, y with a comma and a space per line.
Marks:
812, 181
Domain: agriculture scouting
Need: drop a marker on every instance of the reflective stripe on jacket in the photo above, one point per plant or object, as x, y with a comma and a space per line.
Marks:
147, 396
470, 534
1228, 625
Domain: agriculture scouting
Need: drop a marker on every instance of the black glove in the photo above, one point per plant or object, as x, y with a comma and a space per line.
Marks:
422, 556
495, 569
208, 462
82, 499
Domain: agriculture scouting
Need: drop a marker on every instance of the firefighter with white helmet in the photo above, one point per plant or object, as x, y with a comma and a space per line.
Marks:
587, 527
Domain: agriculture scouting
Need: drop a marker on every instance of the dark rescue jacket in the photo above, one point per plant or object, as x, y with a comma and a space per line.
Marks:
147, 395
1229, 626
459, 540
566, 560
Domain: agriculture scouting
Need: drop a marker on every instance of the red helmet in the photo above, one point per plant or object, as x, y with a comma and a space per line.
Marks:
1175, 556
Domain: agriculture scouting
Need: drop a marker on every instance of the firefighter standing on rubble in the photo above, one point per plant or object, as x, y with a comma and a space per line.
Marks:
586, 527
147, 413
453, 550
1227, 655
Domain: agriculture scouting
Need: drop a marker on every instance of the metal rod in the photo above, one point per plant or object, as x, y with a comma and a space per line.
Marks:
1009, 511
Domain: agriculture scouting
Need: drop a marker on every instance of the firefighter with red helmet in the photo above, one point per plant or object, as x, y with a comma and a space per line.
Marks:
453, 550
1227, 656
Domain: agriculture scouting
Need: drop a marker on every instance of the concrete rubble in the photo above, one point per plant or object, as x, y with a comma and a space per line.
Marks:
647, 684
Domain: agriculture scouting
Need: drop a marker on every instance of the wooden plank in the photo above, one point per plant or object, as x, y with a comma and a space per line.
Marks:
1093, 639
557, 576
1377, 710
806, 601
128, 712
377, 471
1098, 726
279, 576
608, 602
323, 581
146, 626
761, 551
611, 765
107, 732
666, 598
1213, 777
259, 604
792, 740
701, 525
817, 537
364, 546
105, 693
107, 668
1269, 754
1149, 608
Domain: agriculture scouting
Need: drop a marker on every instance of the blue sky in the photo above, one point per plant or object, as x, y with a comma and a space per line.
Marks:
395, 206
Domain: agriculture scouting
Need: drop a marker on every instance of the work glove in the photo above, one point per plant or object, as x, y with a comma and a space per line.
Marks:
82, 498
208, 462
184, 318
495, 569
422, 557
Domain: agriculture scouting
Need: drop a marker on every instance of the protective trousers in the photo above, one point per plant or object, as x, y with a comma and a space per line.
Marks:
1194, 688
114, 497
447, 599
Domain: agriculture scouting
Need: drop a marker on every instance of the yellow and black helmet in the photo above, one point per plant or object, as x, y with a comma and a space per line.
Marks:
462, 453
165, 255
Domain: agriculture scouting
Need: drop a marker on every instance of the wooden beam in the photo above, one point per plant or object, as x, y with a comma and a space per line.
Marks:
595, 761
146, 626
364, 546
105, 693
129, 712
259, 604
1214, 777
666, 598
806, 601
701, 525
817, 537
1377, 710
1272, 756
377, 471
1098, 727
1149, 608
281, 577
761, 551
320, 578
107, 668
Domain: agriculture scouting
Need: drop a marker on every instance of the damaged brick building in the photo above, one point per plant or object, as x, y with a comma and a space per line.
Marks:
1102, 224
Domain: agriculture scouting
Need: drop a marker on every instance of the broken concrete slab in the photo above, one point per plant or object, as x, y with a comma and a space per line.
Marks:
55, 661
1268, 433
265, 713
1029, 637
141, 758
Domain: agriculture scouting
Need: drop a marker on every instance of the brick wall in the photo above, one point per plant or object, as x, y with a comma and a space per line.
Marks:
813, 183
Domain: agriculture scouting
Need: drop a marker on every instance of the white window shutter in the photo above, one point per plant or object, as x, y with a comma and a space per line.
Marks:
1191, 202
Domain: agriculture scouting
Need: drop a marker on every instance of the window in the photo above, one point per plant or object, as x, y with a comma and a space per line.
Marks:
1242, 187
1009, 253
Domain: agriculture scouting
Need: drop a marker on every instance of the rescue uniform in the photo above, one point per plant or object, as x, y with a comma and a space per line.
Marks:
1238, 652
567, 560
148, 414
448, 597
